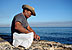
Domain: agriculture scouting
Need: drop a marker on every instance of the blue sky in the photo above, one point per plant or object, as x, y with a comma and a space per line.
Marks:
53, 11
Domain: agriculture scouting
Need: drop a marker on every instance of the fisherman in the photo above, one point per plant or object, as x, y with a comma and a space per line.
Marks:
22, 33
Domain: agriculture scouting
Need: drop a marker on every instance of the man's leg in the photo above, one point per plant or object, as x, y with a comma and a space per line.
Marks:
24, 40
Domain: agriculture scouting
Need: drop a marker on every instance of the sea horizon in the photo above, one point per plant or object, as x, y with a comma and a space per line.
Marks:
57, 34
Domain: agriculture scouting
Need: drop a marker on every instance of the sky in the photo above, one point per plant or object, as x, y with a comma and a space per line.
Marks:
48, 12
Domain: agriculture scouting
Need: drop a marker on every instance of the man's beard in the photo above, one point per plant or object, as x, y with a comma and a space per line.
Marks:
27, 14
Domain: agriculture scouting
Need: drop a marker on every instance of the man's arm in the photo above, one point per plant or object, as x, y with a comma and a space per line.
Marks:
31, 30
20, 28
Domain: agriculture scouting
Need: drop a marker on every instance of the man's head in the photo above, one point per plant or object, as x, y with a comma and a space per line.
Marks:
28, 11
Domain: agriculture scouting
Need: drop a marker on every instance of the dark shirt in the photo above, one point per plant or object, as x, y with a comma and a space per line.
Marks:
19, 18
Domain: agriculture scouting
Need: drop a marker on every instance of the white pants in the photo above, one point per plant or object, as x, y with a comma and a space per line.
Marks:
23, 39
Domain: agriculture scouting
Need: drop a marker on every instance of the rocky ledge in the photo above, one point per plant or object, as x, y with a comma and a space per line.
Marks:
36, 45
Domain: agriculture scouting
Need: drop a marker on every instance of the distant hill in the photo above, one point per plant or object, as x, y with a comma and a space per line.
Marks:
45, 24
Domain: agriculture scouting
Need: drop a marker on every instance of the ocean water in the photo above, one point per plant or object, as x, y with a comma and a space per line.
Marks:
57, 34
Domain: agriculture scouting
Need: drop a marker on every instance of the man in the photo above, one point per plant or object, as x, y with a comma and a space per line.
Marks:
20, 28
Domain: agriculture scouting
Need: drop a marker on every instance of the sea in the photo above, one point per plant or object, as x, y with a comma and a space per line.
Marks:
57, 34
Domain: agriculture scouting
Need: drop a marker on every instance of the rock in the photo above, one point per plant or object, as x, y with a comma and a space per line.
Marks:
5, 46
36, 45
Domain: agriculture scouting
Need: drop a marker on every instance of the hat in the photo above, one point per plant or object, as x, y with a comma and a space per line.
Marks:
30, 8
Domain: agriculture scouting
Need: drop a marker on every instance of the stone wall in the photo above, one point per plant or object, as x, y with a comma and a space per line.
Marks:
36, 45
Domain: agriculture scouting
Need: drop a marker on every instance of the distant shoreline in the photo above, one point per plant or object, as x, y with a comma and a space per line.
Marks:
41, 27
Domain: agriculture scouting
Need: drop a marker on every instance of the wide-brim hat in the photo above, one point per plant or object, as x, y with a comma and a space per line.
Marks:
30, 8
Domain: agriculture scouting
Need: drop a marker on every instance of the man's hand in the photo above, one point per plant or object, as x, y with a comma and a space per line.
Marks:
37, 37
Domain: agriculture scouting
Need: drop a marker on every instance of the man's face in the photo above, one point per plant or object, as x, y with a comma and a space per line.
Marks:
28, 13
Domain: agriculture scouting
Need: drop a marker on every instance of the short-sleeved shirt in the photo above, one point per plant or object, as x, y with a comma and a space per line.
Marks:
19, 18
